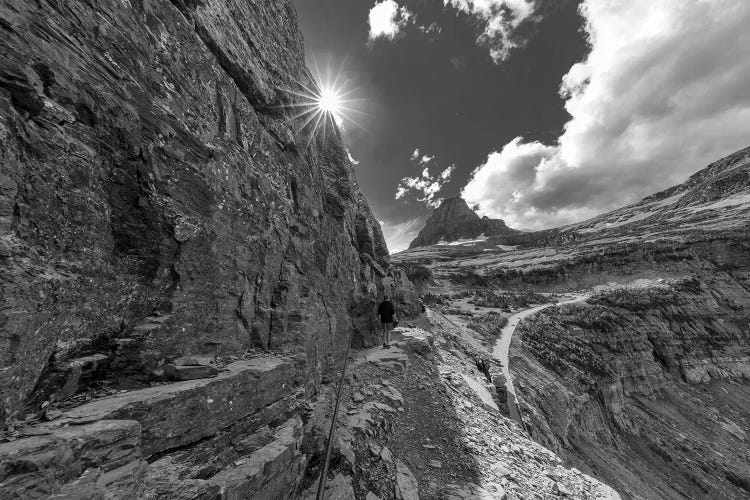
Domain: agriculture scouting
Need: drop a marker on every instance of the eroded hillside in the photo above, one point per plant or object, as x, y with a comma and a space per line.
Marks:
646, 385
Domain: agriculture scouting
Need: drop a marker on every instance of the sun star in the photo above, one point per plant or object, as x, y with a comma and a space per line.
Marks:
329, 101
322, 103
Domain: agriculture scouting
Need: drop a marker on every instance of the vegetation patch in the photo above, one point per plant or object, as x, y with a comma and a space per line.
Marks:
489, 326
417, 274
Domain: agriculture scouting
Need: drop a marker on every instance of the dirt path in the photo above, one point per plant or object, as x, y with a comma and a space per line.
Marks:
418, 422
502, 348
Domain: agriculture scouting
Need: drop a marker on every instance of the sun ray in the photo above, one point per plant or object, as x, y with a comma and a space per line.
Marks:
324, 99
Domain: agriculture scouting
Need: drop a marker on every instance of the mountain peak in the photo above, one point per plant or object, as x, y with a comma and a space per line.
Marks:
454, 220
453, 209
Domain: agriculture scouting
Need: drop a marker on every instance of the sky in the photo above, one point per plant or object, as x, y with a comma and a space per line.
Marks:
539, 112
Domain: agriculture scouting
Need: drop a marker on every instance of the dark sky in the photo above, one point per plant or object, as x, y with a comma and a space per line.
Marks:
440, 93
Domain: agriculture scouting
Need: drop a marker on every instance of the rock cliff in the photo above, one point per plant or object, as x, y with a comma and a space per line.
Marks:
454, 220
157, 199
645, 386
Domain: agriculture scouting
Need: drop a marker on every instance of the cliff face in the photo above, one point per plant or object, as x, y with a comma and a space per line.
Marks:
156, 198
648, 387
454, 220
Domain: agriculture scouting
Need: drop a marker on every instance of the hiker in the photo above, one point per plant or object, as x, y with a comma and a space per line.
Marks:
387, 314
484, 368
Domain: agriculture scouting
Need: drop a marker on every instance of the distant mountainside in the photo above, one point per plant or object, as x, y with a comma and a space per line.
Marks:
454, 220
717, 197
712, 204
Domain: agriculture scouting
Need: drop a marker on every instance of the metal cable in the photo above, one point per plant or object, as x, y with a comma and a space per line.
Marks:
329, 446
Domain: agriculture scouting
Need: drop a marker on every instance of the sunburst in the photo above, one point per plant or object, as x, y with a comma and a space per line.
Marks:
325, 103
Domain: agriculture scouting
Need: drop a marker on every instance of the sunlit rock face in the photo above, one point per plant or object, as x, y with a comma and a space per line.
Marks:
454, 220
157, 200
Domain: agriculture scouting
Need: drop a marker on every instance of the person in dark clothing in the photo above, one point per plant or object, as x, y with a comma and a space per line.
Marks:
386, 313
484, 367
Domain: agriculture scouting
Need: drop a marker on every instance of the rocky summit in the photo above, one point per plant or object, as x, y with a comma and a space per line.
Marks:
453, 220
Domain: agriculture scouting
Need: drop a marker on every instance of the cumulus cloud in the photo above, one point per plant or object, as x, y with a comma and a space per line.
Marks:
662, 93
387, 19
425, 186
399, 235
500, 19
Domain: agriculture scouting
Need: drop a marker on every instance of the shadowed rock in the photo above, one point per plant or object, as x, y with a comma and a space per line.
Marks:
454, 220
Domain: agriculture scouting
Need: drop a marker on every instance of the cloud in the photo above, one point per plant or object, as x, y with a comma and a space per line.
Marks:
399, 235
662, 93
432, 31
387, 19
425, 186
500, 19
352, 160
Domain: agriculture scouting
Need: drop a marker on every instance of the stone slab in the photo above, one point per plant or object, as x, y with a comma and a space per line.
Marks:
194, 361
406, 484
39, 466
388, 357
177, 414
270, 473
189, 372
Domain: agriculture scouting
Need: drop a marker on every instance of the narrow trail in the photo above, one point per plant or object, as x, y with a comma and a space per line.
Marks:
501, 350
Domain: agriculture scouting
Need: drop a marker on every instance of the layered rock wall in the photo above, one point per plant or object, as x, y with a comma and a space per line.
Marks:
157, 198
599, 264
646, 387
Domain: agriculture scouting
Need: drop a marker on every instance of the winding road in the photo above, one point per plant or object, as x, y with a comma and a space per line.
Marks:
502, 348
